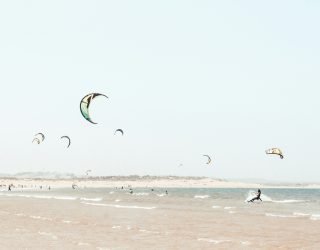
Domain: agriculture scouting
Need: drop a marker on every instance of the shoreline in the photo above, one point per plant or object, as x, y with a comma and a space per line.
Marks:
145, 182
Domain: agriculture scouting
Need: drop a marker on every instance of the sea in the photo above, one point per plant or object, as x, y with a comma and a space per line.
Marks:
159, 218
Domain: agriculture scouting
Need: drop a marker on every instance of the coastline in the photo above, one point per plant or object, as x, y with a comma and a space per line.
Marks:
144, 182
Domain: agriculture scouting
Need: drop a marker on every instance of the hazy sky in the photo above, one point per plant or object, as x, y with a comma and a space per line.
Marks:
184, 78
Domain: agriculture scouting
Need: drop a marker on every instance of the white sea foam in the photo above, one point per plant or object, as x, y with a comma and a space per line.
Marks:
42, 196
147, 231
301, 214
66, 221
40, 218
227, 208
141, 194
288, 201
251, 194
117, 206
48, 234
116, 227
91, 199
213, 241
280, 215
65, 197
117, 200
201, 196
245, 243
216, 206
161, 195
315, 217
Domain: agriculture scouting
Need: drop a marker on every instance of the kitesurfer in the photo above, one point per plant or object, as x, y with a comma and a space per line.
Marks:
257, 197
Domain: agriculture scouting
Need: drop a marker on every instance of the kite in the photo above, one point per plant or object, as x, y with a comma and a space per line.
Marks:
85, 104
274, 151
209, 159
118, 130
68, 138
38, 138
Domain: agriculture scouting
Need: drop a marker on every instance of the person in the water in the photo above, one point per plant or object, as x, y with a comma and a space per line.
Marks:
257, 197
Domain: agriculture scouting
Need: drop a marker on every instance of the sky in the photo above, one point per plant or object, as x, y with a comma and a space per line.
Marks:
184, 78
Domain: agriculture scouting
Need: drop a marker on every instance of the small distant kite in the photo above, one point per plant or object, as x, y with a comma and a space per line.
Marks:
38, 138
68, 138
88, 171
85, 104
119, 130
209, 159
274, 151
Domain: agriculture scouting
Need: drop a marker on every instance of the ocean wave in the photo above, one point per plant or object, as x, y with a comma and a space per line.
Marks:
66, 221
315, 217
117, 206
147, 231
40, 218
288, 201
280, 215
48, 234
213, 241
91, 199
201, 196
65, 198
42, 196
227, 208
216, 206
245, 243
116, 227
301, 214
161, 195
140, 194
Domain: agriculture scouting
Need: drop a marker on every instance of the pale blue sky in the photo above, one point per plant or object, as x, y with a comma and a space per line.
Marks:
184, 78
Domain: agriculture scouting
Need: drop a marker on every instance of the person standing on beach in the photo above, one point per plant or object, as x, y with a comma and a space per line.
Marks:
257, 197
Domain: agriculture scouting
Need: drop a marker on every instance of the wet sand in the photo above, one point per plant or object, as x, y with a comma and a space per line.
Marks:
139, 223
